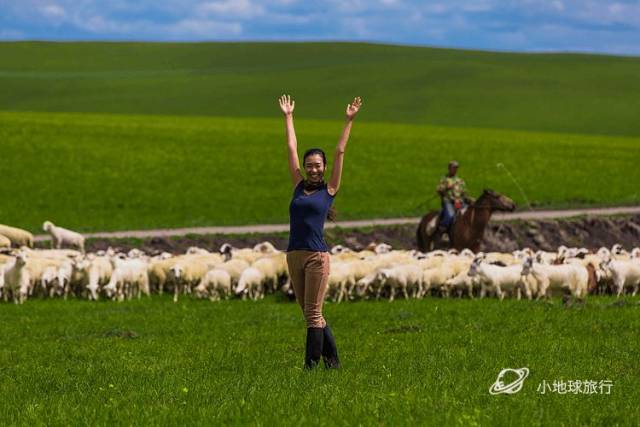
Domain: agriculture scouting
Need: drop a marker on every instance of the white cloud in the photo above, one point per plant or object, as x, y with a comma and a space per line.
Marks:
53, 12
206, 28
231, 8
436, 8
181, 29
476, 6
603, 25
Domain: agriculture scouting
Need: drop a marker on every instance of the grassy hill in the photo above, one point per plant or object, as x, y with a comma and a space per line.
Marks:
105, 172
104, 136
459, 88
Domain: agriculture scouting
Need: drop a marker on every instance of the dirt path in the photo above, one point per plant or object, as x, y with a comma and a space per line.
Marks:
274, 228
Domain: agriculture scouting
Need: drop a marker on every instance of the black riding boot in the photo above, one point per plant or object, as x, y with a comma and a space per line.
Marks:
329, 350
440, 232
314, 347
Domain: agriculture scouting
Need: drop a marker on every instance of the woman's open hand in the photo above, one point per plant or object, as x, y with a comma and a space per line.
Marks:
286, 104
353, 108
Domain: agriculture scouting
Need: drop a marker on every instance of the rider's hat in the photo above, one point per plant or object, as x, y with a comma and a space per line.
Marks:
453, 163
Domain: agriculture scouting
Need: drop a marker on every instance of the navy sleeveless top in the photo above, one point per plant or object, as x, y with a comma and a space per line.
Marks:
306, 219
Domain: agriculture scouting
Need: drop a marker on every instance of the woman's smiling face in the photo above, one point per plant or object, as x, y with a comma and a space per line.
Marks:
314, 167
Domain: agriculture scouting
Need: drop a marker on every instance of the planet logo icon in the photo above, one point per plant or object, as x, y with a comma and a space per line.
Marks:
499, 387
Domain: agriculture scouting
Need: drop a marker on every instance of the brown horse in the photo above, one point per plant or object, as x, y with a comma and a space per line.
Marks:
468, 229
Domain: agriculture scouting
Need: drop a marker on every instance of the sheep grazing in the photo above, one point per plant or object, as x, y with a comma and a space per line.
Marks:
129, 277
624, 274
216, 284
234, 267
250, 284
17, 236
61, 236
498, 279
573, 278
159, 272
341, 278
380, 271
269, 267
400, 278
187, 273
98, 271
461, 283
363, 285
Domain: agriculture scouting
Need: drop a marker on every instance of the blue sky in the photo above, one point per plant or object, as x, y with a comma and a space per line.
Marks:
527, 25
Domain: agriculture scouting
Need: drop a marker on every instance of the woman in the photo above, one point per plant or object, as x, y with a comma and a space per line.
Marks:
307, 252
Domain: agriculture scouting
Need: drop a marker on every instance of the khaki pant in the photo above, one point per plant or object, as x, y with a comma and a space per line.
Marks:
309, 274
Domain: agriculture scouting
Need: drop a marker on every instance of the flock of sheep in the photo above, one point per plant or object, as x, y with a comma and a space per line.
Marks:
376, 272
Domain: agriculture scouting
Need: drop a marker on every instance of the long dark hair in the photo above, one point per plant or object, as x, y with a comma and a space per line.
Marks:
309, 186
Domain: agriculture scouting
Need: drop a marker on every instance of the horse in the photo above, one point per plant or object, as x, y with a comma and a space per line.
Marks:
468, 228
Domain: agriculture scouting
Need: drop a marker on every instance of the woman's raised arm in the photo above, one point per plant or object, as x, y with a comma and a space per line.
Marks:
287, 105
336, 173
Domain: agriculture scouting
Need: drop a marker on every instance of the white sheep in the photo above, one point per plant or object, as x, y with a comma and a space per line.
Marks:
129, 276
187, 273
194, 250
269, 267
5, 242
17, 280
265, 248
17, 236
61, 236
436, 277
625, 274
571, 277
461, 282
216, 284
159, 272
96, 272
341, 279
234, 267
401, 277
248, 255
363, 285
498, 278
250, 283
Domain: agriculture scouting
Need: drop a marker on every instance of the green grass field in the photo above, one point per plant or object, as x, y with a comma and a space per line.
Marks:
427, 361
111, 136
107, 172
456, 88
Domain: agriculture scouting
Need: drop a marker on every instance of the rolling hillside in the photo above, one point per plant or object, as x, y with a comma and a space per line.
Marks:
543, 92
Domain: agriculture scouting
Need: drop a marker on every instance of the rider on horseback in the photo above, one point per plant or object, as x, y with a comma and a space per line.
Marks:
452, 191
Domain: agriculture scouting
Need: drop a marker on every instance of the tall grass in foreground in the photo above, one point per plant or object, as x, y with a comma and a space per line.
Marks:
427, 361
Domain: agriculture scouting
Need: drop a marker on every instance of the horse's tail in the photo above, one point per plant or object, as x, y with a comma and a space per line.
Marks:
422, 238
